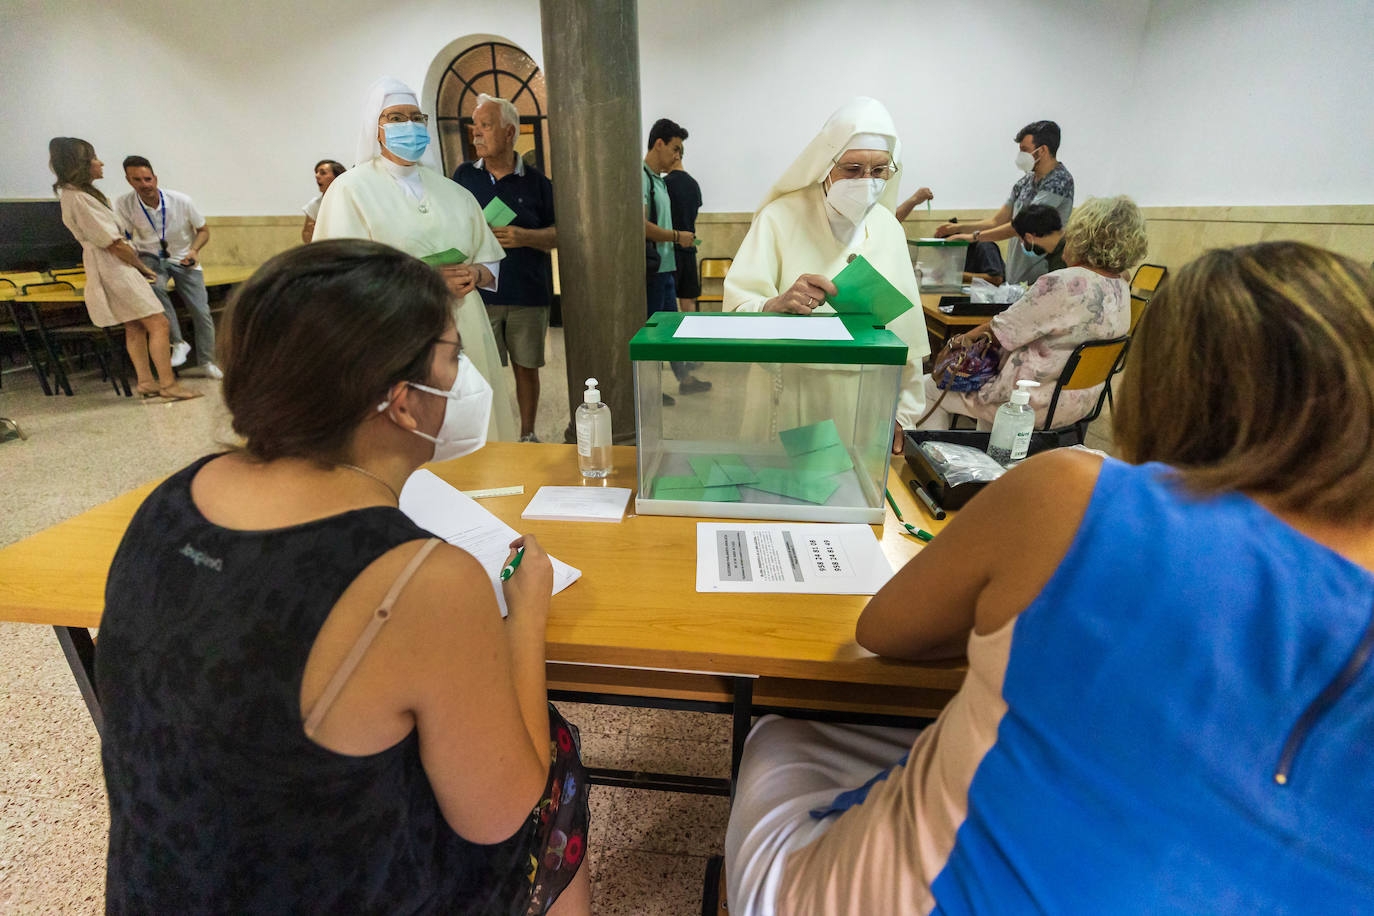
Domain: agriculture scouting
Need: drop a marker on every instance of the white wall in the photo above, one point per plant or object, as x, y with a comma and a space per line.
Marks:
1260, 102
1174, 102
233, 102
753, 83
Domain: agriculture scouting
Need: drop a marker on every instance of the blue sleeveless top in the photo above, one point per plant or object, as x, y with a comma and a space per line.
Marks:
1151, 688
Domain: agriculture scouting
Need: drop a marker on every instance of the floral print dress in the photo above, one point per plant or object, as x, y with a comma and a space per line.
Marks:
1037, 334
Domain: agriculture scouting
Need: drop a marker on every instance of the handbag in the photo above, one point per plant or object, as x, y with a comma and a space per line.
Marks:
963, 366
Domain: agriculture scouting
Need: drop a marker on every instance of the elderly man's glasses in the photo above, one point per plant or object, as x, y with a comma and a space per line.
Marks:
848, 170
398, 117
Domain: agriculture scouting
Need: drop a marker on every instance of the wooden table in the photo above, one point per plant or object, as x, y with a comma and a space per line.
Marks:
632, 630
35, 304
939, 325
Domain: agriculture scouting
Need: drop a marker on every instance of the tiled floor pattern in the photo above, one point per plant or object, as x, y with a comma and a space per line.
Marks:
648, 850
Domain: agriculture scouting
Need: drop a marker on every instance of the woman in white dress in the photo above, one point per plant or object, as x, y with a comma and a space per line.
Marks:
390, 196
117, 290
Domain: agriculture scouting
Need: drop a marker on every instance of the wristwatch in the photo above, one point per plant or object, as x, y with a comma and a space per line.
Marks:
976, 233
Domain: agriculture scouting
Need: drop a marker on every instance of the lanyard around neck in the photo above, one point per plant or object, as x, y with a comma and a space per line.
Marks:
162, 201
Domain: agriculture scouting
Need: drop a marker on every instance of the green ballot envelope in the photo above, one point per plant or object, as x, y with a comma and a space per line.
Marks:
862, 290
440, 258
497, 214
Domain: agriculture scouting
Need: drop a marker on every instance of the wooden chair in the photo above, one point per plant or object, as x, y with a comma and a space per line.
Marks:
48, 286
1147, 279
1092, 362
713, 269
73, 275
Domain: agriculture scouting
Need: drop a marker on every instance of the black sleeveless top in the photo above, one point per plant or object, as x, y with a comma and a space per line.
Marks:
218, 800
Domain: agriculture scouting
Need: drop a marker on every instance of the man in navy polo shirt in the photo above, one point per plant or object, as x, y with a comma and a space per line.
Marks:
519, 308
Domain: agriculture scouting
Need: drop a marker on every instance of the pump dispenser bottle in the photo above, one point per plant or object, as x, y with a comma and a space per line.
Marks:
593, 433
1011, 430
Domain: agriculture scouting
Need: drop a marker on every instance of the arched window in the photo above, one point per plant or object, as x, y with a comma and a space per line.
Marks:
501, 70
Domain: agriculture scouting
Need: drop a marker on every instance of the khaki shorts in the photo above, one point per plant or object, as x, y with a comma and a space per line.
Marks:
520, 330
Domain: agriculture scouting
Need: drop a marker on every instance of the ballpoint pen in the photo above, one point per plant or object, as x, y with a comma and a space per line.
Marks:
509, 569
910, 529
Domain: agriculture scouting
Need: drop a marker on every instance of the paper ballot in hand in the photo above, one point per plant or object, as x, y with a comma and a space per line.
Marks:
449, 514
862, 290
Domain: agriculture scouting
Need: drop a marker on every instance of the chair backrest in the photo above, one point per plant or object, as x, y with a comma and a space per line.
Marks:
1093, 362
20, 277
715, 268
1137, 309
1147, 279
51, 286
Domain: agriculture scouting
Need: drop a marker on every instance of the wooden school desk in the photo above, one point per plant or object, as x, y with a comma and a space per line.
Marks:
33, 305
632, 630
940, 326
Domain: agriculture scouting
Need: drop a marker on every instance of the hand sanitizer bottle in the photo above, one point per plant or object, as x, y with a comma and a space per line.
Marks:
1011, 430
593, 433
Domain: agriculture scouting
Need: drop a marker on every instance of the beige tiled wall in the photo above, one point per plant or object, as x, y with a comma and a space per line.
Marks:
1177, 234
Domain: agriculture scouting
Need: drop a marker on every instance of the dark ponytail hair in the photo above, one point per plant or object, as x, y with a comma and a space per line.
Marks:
318, 335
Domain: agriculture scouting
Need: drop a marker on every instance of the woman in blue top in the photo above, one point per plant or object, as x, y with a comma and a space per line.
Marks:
1170, 699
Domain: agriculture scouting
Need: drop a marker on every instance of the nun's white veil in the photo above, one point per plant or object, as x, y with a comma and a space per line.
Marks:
381, 95
858, 116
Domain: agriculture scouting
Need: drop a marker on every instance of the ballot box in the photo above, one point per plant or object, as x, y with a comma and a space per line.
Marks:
797, 423
939, 264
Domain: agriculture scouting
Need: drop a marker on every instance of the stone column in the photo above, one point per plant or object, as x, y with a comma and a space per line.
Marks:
591, 64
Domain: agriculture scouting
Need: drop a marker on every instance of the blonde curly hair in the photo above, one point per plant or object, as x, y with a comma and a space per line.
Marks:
1107, 233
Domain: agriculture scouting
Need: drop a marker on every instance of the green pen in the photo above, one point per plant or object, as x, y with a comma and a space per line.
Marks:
509, 569
910, 529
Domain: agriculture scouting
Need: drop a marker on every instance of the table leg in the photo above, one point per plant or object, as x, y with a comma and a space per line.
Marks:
79, 648
28, 350
119, 357
743, 716
59, 376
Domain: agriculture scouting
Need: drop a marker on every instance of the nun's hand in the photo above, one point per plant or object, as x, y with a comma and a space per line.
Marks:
802, 297
461, 278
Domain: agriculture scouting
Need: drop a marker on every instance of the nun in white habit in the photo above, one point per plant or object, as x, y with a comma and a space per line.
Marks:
835, 201
392, 195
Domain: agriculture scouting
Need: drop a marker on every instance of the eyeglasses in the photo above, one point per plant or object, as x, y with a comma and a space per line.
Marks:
397, 117
855, 170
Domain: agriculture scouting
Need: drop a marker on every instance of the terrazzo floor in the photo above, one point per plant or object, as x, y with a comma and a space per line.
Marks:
647, 850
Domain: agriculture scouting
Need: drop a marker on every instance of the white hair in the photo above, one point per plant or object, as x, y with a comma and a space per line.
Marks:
509, 115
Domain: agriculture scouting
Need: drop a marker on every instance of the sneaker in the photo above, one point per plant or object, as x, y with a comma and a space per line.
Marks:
529, 437
669, 400
213, 371
180, 350
693, 385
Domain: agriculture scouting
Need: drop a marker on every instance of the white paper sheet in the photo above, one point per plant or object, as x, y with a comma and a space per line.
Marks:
578, 504
789, 558
762, 327
448, 513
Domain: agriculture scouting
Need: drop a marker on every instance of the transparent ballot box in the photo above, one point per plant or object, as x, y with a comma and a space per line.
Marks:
796, 429
939, 264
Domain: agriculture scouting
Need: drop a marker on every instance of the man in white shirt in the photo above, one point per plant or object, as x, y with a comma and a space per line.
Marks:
168, 232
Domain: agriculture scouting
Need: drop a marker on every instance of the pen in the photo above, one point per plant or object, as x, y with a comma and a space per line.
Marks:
509, 569
935, 511
910, 529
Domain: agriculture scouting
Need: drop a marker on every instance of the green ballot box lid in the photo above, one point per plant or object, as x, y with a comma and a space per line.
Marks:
938, 243
869, 343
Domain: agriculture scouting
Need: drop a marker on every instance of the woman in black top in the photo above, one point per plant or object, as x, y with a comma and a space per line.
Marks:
311, 704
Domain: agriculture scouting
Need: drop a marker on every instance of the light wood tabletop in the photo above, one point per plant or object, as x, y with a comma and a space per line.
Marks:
636, 604
214, 277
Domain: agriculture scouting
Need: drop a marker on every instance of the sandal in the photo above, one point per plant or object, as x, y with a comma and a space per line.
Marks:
151, 391
174, 392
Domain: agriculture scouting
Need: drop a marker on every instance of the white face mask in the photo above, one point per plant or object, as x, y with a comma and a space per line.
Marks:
1025, 161
852, 198
464, 429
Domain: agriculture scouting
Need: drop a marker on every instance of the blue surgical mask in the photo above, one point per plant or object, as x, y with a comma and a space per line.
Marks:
408, 140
